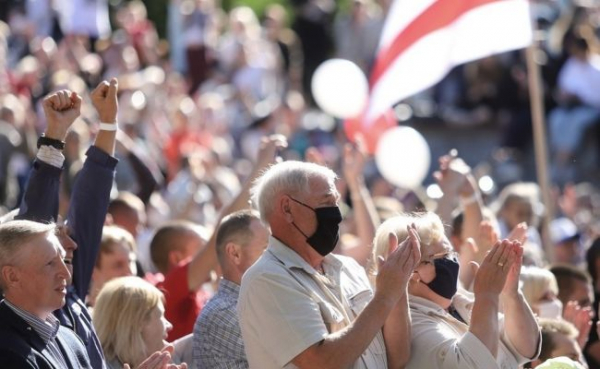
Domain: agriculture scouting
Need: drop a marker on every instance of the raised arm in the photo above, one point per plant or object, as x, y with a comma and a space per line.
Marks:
365, 215
40, 200
91, 192
519, 322
206, 259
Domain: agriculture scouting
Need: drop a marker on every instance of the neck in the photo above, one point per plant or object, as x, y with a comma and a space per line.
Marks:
292, 239
24, 305
232, 276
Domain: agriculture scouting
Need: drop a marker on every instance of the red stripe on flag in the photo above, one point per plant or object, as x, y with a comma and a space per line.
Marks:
437, 16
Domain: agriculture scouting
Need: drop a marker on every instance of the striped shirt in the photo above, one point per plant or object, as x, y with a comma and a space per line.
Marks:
217, 341
46, 329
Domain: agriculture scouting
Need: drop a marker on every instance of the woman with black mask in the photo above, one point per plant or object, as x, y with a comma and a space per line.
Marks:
455, 329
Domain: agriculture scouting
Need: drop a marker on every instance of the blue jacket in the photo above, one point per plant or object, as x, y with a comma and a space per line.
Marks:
87, 211
21, 347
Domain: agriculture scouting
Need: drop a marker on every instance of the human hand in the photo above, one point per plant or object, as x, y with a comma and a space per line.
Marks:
519, 233
313, 155
492, 275
267, 153
104, 99
159, 360
395, 271
454, 176
511, 287
485, 240
353, 163
61, 108
581, 318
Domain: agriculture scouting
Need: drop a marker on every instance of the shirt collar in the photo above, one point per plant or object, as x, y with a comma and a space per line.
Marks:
228, 287
46, 329
291, 259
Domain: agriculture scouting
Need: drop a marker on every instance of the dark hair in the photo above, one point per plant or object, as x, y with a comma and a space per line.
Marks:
566, 276
234, 227
166, 239
593, 254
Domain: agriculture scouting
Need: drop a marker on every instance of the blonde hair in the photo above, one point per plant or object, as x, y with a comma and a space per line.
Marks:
122, 308
429, 227
535, 282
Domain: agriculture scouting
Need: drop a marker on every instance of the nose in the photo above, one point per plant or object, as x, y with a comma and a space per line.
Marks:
68, 243
168, 325
64, 271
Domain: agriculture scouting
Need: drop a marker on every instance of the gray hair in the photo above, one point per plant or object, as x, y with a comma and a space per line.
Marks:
15, 234
290, 177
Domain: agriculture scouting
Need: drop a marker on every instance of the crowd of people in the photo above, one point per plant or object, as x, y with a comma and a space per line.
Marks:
190, 205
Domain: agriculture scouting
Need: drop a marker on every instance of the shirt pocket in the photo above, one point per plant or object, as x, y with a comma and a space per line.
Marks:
358, 302
332, 317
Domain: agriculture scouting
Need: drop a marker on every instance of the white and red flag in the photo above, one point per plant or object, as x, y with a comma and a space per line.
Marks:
422, 40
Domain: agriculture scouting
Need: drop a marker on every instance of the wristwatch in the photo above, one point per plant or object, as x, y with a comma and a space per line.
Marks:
46, 141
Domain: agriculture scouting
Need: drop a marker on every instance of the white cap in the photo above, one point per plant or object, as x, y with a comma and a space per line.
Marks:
563, 229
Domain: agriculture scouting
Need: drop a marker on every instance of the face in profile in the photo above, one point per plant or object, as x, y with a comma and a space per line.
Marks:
155, 329
42, 274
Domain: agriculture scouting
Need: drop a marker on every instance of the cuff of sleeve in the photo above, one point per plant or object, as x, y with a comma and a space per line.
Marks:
520, 358
50, 155
100, 157
479, 353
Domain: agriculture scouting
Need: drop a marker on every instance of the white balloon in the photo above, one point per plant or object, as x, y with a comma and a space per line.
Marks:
340, 88
403, 157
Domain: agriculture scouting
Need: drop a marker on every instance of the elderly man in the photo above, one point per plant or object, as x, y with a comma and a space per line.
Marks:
241, 240
34, 279
81, 236
300, 306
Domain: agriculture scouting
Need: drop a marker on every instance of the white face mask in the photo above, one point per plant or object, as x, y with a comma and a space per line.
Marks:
550, 309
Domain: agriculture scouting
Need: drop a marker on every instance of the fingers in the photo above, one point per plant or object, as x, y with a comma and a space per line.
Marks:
101, 90
474, 267
75, 101
392, 242
113, 88
169, 349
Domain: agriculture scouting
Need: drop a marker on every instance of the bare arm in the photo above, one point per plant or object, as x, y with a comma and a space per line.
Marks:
206, 259
104, 98
519, 322
489, 282
365, 215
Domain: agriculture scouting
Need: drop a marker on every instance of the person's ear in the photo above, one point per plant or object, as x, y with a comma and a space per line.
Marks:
10, 275
286, 208
234, 253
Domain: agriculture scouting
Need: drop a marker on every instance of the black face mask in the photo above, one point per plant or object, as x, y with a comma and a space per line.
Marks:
446, 277
328, 228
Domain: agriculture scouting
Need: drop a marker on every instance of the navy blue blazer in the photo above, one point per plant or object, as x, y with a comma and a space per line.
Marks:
89, 204
22, 347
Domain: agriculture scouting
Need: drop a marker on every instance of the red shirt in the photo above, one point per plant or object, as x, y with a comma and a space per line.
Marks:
182, 306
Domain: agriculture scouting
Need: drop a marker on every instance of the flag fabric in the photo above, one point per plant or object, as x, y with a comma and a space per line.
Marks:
422, 40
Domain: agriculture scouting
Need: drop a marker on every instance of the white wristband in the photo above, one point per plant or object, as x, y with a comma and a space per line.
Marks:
109, 126
466, 201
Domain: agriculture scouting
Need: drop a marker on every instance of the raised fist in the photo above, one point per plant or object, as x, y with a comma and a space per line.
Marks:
104, 98
61, 108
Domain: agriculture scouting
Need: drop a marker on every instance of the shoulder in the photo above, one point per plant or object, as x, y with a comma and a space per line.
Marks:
11, 359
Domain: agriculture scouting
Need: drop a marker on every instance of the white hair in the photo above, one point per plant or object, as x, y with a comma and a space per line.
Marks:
289, 177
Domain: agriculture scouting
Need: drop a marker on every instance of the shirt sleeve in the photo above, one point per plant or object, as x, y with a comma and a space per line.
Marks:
436, 346
40, 201
513, 350
278, 314
87, 212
